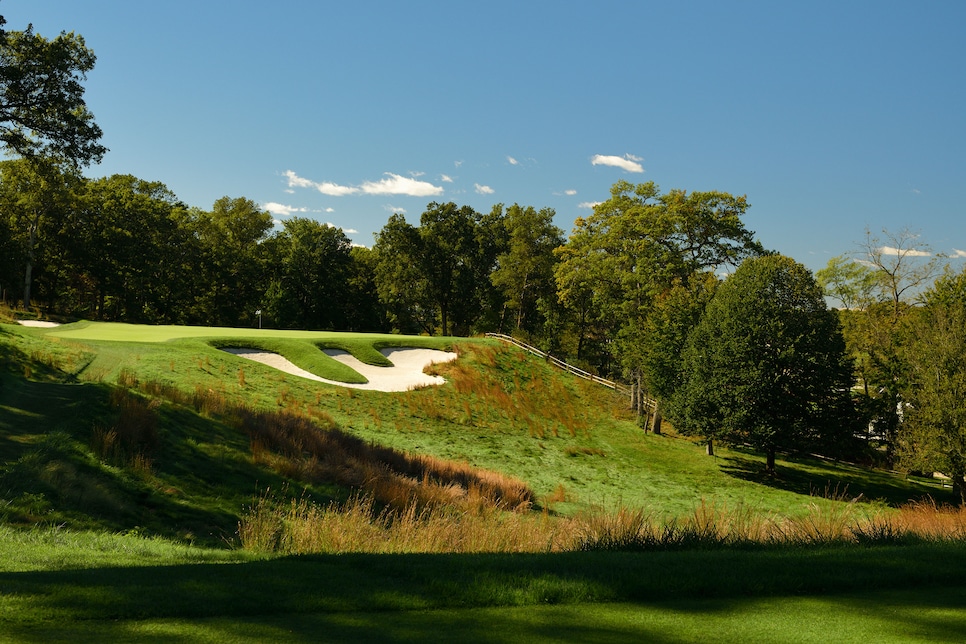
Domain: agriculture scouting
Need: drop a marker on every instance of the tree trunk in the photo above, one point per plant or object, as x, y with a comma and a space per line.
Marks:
770, 461
28, 271
710, 447
658, 418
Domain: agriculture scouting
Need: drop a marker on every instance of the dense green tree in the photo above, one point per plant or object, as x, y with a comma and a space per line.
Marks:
234, 270
312, 272
638, 244
450, 263
35, 194
42, 108
878, 285
437, 276
674, 314
524, 272
399, 278
766, 365
364, 311
122, 251
932, 435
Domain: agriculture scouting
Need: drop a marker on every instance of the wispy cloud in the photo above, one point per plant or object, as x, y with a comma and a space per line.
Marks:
394, 209
570, 193
906, 252
325, 187
958, 254
445, 178
281, 210
588, 204
628, 162
390, 184
511, 160
483, 190
394, 184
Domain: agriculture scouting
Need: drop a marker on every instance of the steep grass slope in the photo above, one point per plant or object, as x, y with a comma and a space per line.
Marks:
158, 437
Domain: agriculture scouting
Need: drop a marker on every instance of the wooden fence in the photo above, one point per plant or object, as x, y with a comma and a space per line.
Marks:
623, 389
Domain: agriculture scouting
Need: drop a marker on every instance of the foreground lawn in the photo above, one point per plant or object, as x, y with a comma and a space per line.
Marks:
156, 592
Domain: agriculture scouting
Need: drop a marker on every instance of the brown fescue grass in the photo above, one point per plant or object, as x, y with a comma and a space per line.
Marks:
299, 527
510, 390
315, 450
132, 438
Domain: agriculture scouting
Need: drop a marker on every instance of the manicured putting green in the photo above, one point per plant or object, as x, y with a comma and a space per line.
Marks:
147, 333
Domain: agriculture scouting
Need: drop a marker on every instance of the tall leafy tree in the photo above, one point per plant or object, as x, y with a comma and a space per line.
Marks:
638, 244
878, 285
932, 435
42, 108
450, 263
524, 272
436, 276
675, 312
766, 365
234, 269
122, 242
35, 195
400, 283
311, 276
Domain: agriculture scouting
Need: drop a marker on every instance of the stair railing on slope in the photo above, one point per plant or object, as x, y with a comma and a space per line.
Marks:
623, 389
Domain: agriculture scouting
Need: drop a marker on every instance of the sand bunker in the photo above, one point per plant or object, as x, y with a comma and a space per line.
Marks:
405, 374
38, 323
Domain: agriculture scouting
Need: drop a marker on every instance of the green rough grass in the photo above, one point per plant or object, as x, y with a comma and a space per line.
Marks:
570, 440
139, 589
118, 554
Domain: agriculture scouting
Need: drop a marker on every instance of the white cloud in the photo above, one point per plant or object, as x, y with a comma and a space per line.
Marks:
458, 163
958, 253
483, 190
394, 184
588, 204
628, 162
511, 160
394, 209
908, 252
328, 210
570, 193
350, 231
446, 178
325, 187
295, 181
281, 210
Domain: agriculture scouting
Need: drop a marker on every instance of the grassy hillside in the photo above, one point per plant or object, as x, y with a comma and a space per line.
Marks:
153, 487
189, 469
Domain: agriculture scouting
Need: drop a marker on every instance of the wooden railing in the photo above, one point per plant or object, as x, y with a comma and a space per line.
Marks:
623, 389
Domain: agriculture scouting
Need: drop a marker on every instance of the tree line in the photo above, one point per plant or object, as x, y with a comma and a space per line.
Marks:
668, 291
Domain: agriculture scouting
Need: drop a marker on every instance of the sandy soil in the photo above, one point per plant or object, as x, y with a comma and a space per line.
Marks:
405, 374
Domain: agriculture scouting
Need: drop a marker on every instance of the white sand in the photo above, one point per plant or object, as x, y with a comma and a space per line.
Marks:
405, 374
38, 323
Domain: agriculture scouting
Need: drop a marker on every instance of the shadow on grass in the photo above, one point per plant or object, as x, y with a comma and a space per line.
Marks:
344, 597
814, 477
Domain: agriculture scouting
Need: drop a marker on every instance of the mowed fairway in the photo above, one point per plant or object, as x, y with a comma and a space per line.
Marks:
119, 332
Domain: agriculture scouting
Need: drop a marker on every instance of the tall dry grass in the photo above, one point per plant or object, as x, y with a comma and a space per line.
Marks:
132, 437
506, 389
299, 527
315, 449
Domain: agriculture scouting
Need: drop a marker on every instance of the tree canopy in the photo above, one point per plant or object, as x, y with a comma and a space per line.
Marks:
42, 107
766, 365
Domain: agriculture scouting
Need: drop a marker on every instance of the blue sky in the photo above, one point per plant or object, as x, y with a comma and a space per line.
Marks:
830, 116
